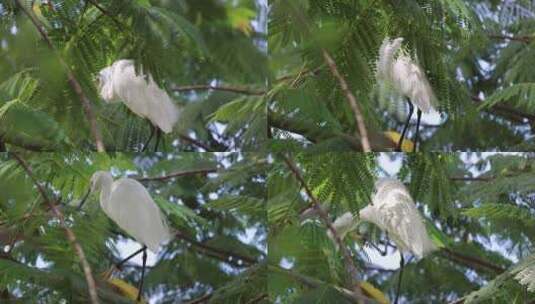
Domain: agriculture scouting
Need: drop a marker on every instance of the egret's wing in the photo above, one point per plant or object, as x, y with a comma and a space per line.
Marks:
143, 96
405, 224
412, 82
164, 113
371, 214
129, 87
423, 92
134, 210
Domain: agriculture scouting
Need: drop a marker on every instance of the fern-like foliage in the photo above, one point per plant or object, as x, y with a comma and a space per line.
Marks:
478, 210
182, 44
216, 217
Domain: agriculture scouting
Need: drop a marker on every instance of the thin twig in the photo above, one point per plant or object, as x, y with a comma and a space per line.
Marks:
524, 39
300, 74
73, 82
201, 299
258, 298
315, 283
240, 90
195, 142
70, 235
352, 101
507, 112
222, 255
316, 134
475, 179
350, 266
108, 14
471, 261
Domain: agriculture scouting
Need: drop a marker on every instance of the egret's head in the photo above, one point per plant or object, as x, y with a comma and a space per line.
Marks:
105, 85
98, 179
385, 184
389, 182
387, 53
395, 45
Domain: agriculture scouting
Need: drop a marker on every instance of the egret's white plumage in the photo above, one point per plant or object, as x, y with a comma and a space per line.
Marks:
140, 94
527, 277
129, 204
343, 225
394, 211
406, 78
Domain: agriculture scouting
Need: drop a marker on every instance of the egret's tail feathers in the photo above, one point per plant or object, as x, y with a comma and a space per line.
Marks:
169, 114
424, 246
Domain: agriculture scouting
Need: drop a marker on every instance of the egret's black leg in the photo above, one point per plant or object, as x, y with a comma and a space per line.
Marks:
163, 144
120, 264
158, 137
417, 139
386, 245
411, 110
152, 129
401, 265
142, 273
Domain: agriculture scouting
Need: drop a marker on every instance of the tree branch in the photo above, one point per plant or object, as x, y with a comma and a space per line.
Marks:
471, 261
70, 235
523, 39
350, 266
201, 299
507, 112
316, 134
475, 179
258, 298
195, 142
300, 74
220, 254
108, 14
351, 99
73, 82
233, 89
315, 283
177, 174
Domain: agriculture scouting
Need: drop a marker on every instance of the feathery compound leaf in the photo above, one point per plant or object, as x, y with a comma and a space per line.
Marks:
521, 95
502, 212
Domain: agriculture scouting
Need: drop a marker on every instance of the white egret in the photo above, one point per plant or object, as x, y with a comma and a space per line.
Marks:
394, 211
130, 206
407, 79
119, 83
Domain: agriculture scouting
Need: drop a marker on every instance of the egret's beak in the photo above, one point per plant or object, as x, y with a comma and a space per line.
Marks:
82, 202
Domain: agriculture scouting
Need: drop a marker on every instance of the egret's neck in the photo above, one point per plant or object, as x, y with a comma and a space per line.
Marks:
105, 192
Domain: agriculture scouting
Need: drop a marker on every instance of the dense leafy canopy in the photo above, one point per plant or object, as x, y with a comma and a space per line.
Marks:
250, 224
188, 47
477, 55
217, 213
479, 210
